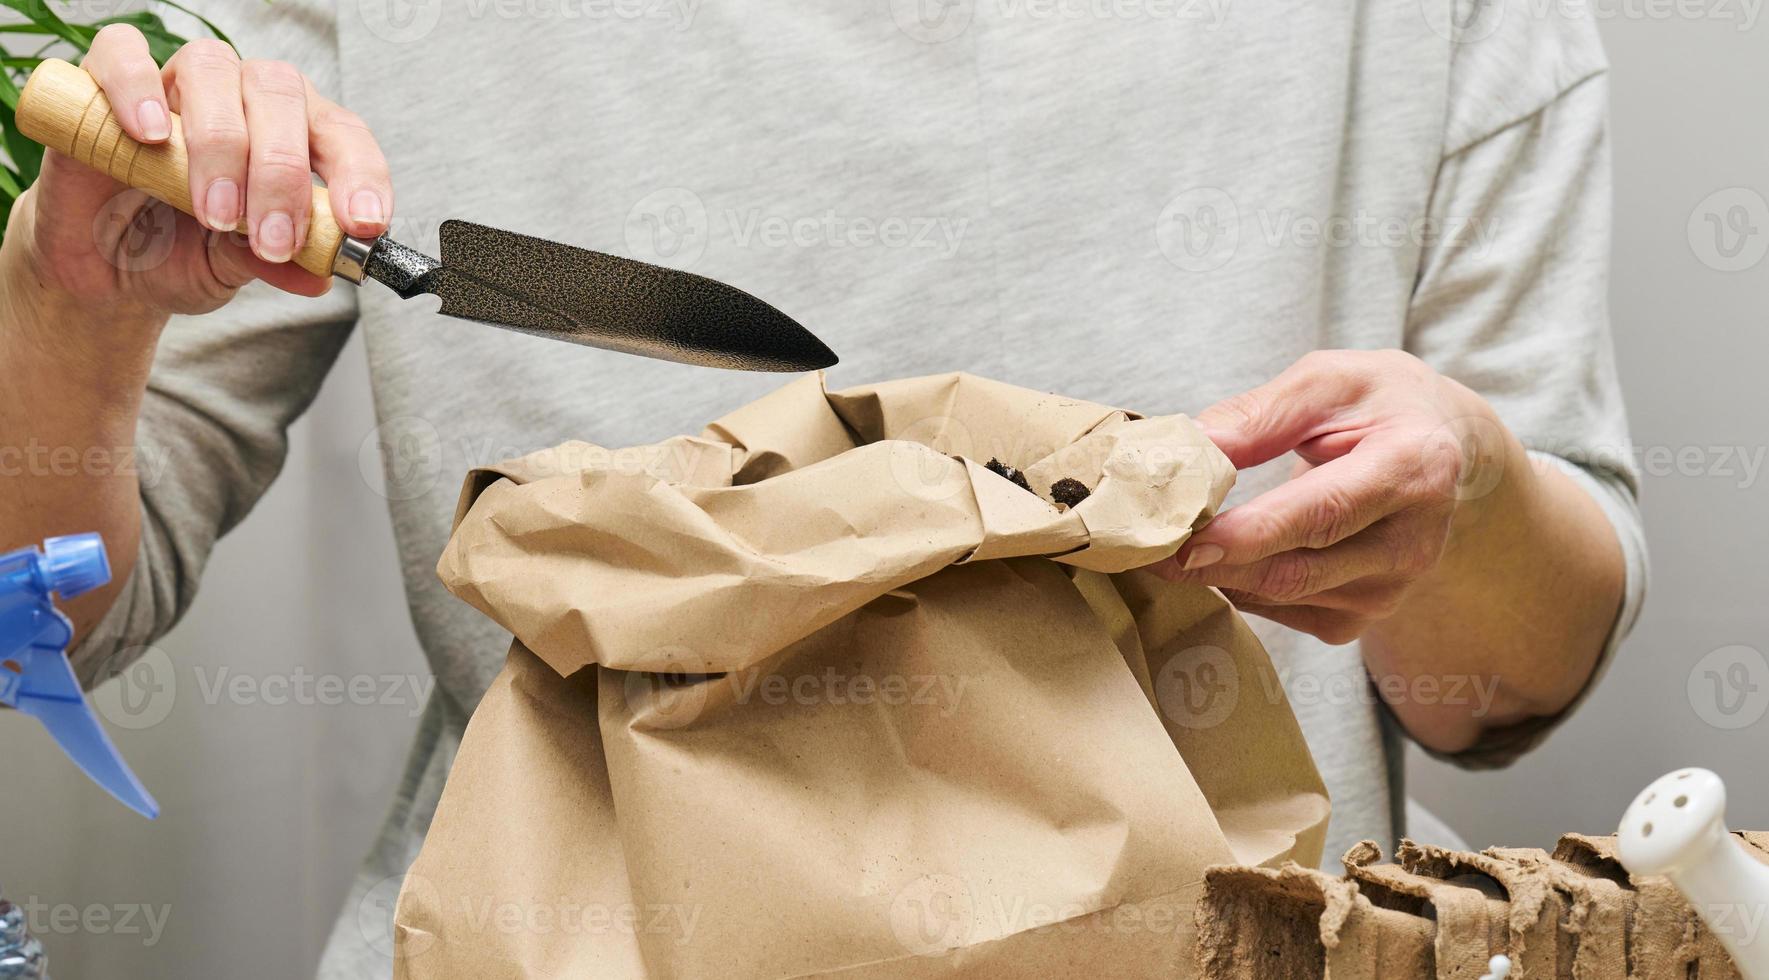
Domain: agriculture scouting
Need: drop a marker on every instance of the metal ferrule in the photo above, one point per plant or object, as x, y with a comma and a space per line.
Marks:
351, 259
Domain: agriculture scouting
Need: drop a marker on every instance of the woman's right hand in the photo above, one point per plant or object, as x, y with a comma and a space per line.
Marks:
256, 132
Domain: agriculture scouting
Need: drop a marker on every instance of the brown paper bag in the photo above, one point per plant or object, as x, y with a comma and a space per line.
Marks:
815, 692
1296, 923
1471, 915
1534, 908
1665, 936
1595, 911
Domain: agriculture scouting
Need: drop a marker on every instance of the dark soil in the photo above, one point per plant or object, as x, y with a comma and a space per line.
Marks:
1007, 472
1069, 491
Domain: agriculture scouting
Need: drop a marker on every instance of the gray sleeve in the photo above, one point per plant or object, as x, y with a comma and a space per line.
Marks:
1512, 296
212, 436
222, 394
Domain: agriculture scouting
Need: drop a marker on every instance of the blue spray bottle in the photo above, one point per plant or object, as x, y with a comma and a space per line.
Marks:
35, 676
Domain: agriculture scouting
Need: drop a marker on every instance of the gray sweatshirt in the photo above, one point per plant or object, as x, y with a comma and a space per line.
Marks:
1147, 203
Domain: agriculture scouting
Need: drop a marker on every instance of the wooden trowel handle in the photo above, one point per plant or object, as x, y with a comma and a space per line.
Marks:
63, 108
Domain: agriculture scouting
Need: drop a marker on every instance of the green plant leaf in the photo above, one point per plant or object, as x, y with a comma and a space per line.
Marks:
42, 20
161, 42
38, 13
206, 22
26, 155
8, 90
146, 20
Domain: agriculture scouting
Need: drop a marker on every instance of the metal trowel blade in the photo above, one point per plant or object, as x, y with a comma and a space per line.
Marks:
568, 293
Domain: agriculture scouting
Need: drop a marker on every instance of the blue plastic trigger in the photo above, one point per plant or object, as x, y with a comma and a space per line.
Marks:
35, 676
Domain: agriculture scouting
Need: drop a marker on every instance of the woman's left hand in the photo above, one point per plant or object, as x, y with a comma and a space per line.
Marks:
1392, 455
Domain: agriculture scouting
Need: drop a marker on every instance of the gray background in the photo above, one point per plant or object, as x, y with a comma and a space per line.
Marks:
270, 802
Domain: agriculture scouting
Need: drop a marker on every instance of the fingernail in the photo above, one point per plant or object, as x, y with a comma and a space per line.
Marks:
151, 119
276, 237
365, 208
221, 204
1203, 555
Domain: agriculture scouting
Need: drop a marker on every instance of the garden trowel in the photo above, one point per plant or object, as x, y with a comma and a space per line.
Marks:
498, 277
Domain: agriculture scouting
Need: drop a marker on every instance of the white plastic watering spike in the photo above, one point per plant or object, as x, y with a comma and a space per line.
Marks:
1676, 827
1498, 968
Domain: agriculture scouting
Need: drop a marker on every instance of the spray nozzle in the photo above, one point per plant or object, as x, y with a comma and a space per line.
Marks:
35, 676
75, 564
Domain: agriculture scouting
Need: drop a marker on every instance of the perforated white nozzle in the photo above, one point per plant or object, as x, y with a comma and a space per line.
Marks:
1676, 827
